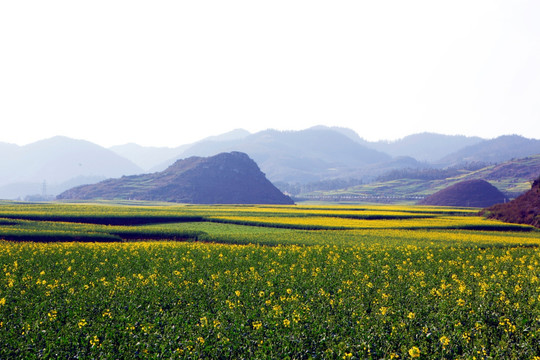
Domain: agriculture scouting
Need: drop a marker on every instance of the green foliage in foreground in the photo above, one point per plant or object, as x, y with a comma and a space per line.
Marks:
193, 300
379, 290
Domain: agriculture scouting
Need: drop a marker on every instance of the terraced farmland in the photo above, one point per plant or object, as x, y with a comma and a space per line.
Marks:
380, 282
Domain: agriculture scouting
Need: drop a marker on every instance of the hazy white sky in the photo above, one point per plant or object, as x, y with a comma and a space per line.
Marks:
166, 73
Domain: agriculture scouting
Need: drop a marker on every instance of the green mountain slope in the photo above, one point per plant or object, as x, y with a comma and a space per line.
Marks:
512, 178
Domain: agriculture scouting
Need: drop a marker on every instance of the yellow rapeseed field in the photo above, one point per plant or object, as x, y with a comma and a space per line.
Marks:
446, 286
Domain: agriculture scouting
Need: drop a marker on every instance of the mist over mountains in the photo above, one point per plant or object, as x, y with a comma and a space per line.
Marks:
158, 158
316, 155
55, 164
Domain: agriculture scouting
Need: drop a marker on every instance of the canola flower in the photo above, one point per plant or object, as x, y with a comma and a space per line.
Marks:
321, 288
444, 340
414, 352
361, 293
94, 341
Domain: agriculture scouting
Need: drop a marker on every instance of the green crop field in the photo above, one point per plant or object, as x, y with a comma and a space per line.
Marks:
268, 282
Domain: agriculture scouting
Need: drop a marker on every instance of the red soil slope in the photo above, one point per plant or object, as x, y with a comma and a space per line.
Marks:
523, 210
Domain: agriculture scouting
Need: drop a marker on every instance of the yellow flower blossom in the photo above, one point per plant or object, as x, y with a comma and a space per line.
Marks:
257, 325
444, 340
94, 341
203, 321
52, 315
414, 352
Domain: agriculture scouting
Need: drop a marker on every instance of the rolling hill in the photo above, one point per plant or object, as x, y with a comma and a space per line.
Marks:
468, 193
226, 178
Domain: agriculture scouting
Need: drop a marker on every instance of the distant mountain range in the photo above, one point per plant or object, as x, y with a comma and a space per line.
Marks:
322, 146
56, 164
427, 147
158, 158
494, 151
311, 156
298, 156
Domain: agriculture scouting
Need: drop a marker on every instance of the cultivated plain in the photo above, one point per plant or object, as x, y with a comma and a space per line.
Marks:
157, 281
